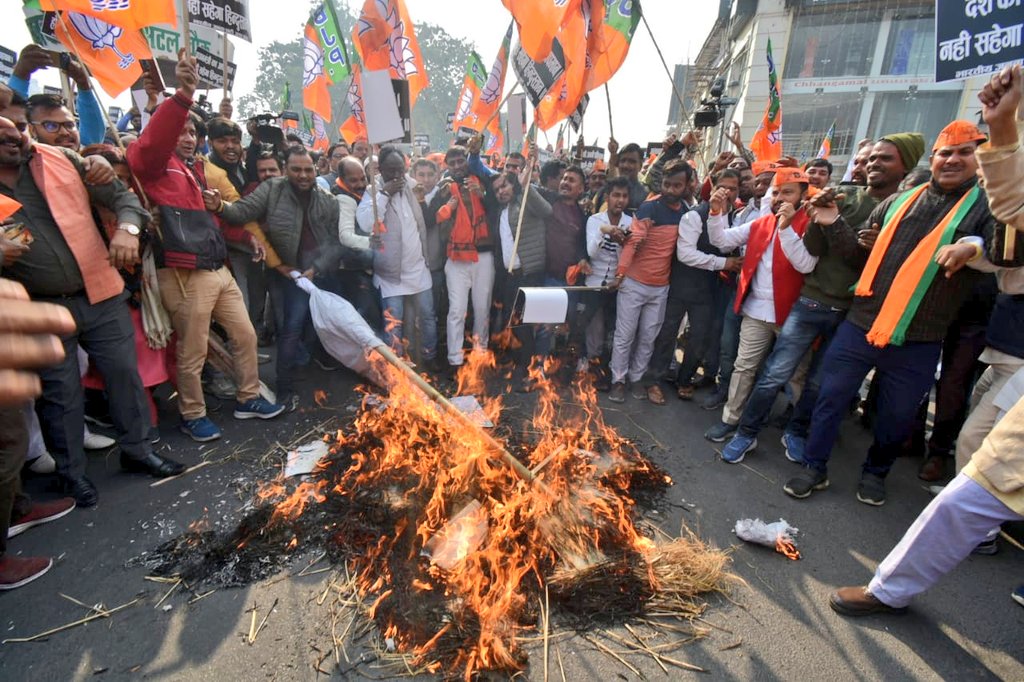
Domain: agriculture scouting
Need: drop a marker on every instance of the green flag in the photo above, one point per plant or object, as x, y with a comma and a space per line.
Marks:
328, 30
286, 97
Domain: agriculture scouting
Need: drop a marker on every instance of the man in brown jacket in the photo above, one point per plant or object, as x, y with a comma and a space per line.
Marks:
990, 489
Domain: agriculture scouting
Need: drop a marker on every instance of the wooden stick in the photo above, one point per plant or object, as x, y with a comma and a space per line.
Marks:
608, 96
611, 653
385, 352
96, 609
183, 473
225, 55
546, 614
83, 621
522, 206
682, 108
186, 33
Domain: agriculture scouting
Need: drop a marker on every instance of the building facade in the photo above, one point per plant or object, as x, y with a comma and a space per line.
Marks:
868, 66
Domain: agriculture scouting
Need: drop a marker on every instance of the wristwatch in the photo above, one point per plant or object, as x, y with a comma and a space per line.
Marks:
133, 230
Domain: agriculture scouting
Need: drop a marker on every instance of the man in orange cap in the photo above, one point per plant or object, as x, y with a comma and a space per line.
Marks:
902, 308
770, 280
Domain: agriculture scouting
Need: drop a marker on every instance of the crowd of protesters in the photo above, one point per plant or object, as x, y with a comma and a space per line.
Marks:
780, 294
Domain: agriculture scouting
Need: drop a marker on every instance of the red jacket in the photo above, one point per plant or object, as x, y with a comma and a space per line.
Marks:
786, 280
189, 236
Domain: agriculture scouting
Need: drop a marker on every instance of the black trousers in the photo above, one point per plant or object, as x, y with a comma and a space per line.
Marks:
13, 446
105, 332
525, 334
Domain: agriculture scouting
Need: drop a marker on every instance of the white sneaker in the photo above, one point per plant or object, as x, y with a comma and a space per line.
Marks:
96, 441
43, 464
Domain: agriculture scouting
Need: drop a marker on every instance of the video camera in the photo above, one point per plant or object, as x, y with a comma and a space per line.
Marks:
265, 128
712, 110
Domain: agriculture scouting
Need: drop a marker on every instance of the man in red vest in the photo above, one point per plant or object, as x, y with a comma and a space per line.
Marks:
773, 273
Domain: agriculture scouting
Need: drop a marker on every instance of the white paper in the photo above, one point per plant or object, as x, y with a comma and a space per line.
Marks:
516, 121
469, 406
383, 122
303, 459
543, 305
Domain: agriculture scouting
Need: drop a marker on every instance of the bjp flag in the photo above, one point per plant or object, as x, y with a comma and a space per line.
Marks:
495, 142
130, 15
826, 143
767, 142
490, 95
612, 26
539, 22
568, 90
385, 39
315, 96
354, 127
112, 53
319, 130
472, 84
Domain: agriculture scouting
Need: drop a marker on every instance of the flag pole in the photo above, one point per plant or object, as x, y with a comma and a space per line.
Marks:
225, 55
608, 96
682, 108
522, 206
186, 33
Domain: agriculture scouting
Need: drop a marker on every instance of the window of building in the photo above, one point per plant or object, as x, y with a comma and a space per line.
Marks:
911, 47
829, 45
806, 119
922, 112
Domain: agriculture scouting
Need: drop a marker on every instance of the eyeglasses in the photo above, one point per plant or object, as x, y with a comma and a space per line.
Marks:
53, 126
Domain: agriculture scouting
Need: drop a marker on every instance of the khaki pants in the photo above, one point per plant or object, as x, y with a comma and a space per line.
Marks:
756, 341
983, 413
193, 298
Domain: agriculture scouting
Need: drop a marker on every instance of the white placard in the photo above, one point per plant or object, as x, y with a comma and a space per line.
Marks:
516, 121
543, 305
383, 122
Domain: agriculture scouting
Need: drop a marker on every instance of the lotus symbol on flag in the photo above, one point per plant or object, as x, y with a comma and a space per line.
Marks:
100, 35
403, 61
355, 100
312, 62
491, 91
464, 103
319, 131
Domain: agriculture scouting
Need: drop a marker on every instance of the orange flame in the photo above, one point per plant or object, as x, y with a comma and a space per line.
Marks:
427, 461
320, 397
786, 548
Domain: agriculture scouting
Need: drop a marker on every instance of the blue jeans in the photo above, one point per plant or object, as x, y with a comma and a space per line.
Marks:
904, 374
730, 339
291, 307
426, 321
808, 320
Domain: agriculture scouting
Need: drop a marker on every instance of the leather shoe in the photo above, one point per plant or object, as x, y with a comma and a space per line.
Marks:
152, 464
81, 489
857, 601
933, 469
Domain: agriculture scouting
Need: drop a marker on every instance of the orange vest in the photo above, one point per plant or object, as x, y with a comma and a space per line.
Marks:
62, 188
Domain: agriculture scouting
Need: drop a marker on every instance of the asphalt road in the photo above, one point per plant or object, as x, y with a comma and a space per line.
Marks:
778, 626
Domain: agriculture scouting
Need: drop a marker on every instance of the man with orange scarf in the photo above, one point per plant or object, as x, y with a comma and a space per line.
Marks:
469, 271
908, 294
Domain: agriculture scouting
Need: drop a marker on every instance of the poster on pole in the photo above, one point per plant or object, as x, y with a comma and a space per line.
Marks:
976, 37
591, 155
380, 108
210, 69
229, 16
537, 78
516, 120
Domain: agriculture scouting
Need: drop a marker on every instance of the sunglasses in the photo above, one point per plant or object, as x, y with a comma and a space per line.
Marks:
53, 126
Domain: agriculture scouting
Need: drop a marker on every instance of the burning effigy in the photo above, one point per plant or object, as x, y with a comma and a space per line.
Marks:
455, 534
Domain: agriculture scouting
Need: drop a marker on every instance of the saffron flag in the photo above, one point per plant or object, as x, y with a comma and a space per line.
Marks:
490, 95
112, 53
566, 93
612, 25
385, 39
8, 207
315, 96
495, 143
354, 127
472, 85
332, 41
826, 142
539, 22
131, 15
767, 141
319, 131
